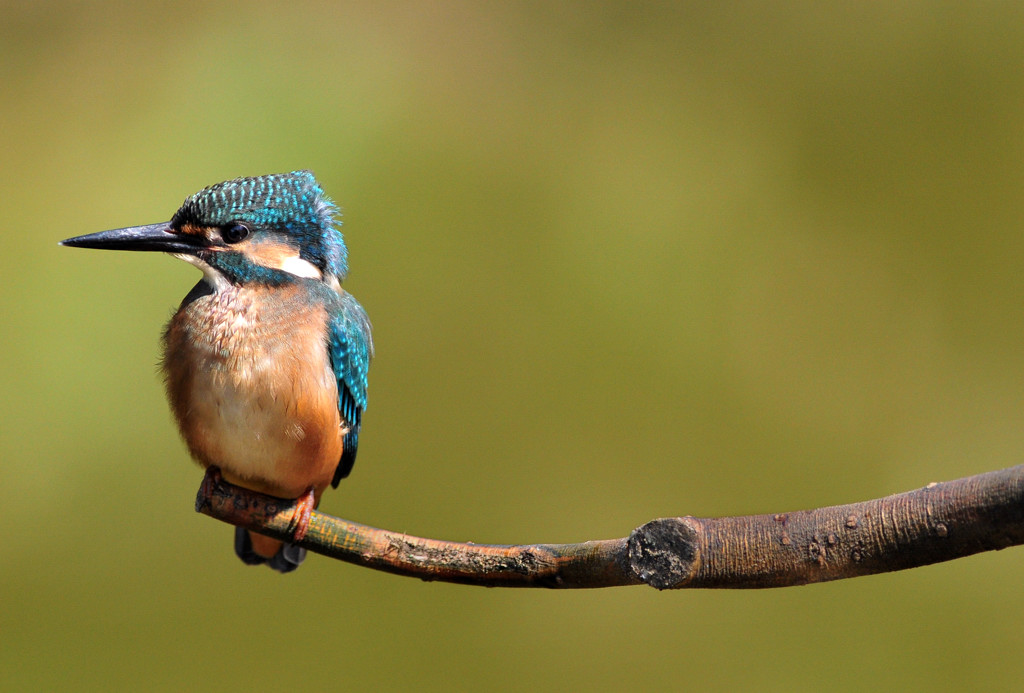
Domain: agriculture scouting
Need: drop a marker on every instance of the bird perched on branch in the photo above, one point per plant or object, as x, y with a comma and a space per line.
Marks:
267, 357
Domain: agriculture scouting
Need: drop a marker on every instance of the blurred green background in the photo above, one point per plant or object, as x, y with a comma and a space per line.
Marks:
623, 261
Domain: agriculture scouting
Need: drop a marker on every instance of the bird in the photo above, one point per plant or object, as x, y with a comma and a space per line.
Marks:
265, 361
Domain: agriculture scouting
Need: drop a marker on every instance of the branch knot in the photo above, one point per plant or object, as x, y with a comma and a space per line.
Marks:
663, 553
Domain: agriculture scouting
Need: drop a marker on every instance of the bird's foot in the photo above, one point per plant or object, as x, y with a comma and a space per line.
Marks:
304, 506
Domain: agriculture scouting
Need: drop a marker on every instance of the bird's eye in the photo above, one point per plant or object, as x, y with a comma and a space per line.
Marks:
235, 233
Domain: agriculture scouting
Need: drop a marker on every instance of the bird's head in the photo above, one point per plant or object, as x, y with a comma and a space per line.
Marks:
266, 229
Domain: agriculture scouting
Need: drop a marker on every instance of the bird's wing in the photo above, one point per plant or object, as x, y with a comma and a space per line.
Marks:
351, 348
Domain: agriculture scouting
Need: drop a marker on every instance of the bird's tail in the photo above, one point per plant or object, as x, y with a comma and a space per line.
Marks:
256, 549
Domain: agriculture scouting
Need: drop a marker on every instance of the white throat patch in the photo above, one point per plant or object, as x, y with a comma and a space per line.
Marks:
214, 278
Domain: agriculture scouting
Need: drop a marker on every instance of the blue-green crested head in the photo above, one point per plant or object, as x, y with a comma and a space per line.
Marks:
292, 204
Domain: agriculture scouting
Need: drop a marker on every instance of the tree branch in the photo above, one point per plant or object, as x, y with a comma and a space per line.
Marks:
939, 522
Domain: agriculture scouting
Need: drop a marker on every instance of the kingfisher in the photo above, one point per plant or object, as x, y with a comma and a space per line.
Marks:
266, 359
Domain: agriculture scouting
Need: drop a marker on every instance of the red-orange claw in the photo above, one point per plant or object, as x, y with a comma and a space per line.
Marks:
304, 507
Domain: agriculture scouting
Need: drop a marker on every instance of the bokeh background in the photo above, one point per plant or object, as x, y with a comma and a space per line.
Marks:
623, 261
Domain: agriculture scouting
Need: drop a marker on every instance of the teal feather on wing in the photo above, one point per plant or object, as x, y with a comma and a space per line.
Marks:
351, 348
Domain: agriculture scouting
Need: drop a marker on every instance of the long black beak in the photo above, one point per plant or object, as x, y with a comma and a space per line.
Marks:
153, 237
